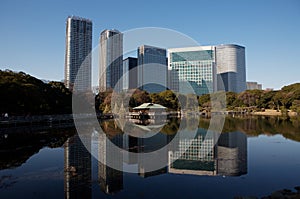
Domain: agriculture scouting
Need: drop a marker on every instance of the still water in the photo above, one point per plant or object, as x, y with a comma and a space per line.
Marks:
252, 157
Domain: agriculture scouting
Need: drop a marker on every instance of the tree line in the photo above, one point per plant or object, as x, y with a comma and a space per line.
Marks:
22, 94
288, 98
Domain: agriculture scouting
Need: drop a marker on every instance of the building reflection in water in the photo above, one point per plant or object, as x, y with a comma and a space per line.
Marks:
199, 156
148, 145
196, 155
232, 154
77, 168
110, 180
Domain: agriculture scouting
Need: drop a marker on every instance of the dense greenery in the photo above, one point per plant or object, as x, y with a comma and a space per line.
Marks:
22, 94
286, 98
166, 98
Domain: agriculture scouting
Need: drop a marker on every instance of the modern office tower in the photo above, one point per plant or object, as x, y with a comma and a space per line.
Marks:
232, 154
231, 67
77, 168
253, 86
195, 65
110, 179
152, 69
130, 76
78, 58
111, 59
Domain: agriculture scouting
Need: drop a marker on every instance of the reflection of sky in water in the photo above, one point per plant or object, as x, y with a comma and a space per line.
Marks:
273, 164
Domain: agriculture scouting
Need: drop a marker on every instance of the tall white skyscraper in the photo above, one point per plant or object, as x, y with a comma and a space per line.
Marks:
111, 59
77, 57
231, 67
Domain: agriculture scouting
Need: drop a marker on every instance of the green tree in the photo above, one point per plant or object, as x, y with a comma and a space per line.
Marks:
230, 99
139, 97
296, 107
250, 97
203, 100
267, 100
169, 99
22, 94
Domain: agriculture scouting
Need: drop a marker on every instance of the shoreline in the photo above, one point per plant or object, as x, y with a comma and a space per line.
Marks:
270, 112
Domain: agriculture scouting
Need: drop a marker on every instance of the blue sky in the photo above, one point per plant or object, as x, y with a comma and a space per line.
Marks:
32, 34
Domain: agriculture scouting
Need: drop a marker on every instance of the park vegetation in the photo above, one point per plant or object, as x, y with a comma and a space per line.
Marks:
288, 98
22, 94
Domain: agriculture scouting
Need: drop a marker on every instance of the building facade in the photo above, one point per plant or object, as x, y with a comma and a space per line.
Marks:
253, 86
130, 76
77, 56
231, 67
195, 65
173, 80
111, 59
152, 70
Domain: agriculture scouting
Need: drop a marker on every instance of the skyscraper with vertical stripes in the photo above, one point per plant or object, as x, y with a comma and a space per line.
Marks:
77, 57
111, 59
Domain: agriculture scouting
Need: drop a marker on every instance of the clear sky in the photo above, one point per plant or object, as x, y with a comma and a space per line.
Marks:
32, 34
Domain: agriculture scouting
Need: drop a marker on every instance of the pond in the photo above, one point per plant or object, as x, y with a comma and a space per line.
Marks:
253, 156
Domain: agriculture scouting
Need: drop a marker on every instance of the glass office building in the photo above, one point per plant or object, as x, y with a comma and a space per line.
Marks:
152, 70
129, 73
195, 65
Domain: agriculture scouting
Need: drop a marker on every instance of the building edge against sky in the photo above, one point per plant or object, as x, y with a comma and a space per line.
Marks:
196, 66
254, 86
111, 59
77, 55
203, 67
150, 60
231, 67
210, 68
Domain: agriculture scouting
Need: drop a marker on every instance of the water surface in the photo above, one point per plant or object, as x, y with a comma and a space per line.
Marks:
252, 157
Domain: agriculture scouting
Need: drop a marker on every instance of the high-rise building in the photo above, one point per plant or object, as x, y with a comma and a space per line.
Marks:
195, 65
152, 70
111, 59
253, 86
77, 57
231, 67
130, 77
